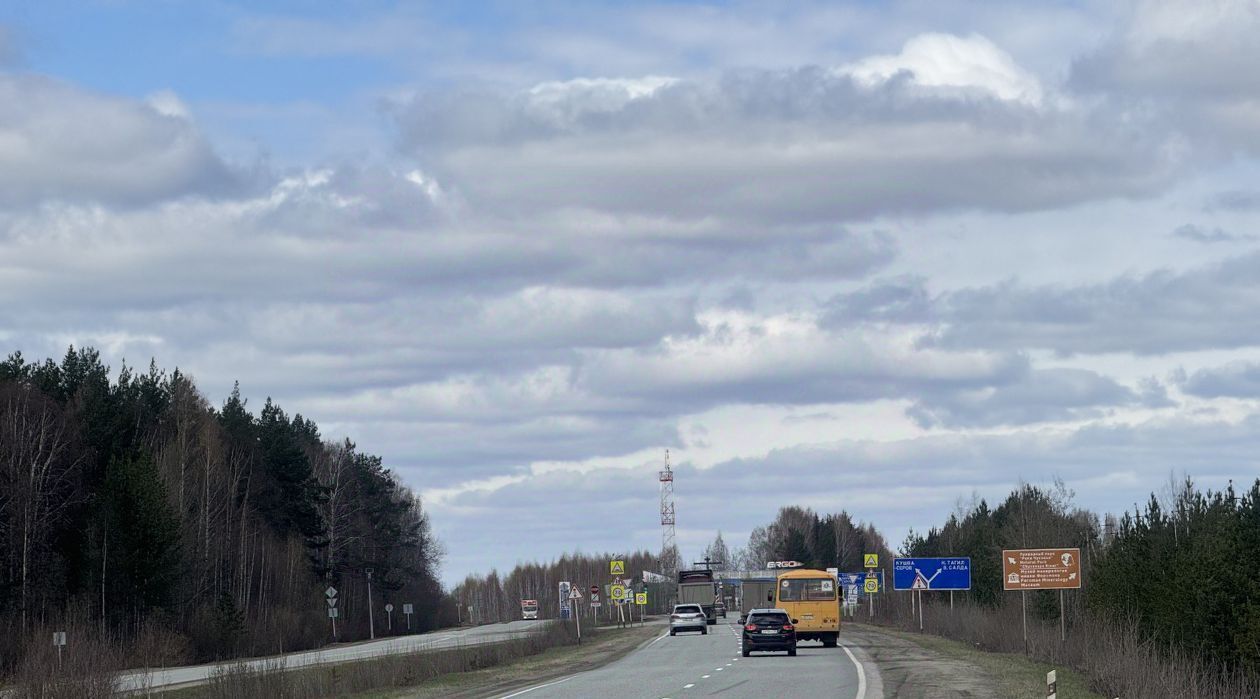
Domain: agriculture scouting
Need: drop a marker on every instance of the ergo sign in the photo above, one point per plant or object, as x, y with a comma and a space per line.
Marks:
784, 564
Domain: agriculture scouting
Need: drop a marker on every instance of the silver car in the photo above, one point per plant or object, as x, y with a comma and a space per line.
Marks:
688, 617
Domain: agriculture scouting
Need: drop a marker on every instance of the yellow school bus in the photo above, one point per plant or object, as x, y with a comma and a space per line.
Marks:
811, 598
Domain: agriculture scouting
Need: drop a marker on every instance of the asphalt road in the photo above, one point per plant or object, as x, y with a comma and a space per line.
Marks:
690, 665
452, 638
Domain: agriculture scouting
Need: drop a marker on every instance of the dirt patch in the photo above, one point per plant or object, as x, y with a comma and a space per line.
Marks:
608, 645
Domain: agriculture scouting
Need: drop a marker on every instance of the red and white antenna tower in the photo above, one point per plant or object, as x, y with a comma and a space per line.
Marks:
669, 548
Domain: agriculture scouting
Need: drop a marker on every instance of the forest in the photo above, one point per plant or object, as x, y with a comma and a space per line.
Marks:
133, 509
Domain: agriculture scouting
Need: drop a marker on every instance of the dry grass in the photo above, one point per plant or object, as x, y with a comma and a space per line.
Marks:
394, 671
1117, 660
85, 669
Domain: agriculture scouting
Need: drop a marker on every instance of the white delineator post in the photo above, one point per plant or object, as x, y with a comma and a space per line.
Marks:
371, 621
1052, 685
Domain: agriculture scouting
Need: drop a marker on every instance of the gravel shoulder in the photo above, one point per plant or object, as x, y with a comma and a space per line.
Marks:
915, 666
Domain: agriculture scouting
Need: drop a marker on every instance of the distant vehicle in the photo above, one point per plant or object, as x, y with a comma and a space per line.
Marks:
698, 587
529, 609
719, 609
768, 630
812, 597
755, 594
688, 617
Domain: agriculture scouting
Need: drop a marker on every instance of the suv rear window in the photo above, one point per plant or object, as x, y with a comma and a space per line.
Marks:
688, 609
768, 619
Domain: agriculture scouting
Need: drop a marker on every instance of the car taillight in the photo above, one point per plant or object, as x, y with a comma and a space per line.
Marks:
750, 627
787, 627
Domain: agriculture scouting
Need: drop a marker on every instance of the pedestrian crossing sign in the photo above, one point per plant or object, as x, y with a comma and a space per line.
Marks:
640, 598
871, 560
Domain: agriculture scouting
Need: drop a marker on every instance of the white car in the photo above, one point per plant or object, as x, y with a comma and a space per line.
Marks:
688, 617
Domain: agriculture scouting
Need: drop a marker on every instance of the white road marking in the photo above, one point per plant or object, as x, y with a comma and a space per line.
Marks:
657, 639
704, 677
527, 691
861, 693
685, 686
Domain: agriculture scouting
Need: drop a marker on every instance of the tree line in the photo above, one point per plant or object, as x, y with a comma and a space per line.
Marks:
131, 506
1183, 569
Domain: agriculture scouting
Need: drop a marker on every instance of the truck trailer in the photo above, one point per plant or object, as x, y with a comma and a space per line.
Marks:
698, 587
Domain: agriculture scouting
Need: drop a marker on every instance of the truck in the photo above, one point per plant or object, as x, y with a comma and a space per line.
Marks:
755, 594
529, 609
698, 587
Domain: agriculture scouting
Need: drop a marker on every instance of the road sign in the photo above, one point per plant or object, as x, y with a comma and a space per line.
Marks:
594, 589
870, 560
616, 567
870, 585
332, 601
59, 638
857, 581
330, 592
575, 594
834, 571
332, 613
640, 598
389, 607
618, 593
407, 608
595, 597
932, 573
1041, 569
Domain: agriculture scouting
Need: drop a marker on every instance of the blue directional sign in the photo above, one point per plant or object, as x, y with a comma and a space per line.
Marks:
858, 580
932, 574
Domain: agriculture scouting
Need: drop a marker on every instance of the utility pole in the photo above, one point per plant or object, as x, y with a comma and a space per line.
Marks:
371, 622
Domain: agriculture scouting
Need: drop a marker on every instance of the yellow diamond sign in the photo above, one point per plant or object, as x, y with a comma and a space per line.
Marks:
640, 598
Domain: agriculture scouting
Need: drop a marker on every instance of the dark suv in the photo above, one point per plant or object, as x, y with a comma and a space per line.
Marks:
769, 629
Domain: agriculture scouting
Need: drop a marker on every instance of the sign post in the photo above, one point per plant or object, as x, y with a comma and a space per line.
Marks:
407, 608
575, 596
919, 574
59, 640
1042, 569
389, 611
331, 595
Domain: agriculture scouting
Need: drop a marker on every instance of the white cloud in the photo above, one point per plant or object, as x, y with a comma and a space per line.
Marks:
948, 61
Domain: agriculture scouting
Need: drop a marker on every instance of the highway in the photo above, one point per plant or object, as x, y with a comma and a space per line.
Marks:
140, 680
689, 665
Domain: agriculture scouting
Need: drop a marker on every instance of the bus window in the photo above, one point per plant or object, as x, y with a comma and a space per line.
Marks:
807, 590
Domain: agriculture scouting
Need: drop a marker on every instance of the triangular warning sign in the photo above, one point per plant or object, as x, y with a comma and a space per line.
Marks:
920, 582
871, 560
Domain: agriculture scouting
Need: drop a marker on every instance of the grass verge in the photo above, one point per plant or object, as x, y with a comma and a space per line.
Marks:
1015, 676
607, 645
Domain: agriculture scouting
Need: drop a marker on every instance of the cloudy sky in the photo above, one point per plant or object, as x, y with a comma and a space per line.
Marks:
871, 256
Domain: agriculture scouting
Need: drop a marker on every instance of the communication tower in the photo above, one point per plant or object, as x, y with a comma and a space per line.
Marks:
669, 548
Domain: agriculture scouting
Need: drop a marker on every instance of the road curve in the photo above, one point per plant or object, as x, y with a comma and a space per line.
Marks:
669, 667
140, 680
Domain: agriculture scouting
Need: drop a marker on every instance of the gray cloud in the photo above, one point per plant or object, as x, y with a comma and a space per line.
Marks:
63, 143
1199, 234
801, 145
1040, 396
1189, 61
1234, 380
1209, 307
1235, 200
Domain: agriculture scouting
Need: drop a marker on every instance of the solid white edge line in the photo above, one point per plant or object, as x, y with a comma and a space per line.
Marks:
861, 693
539, 686
651, 641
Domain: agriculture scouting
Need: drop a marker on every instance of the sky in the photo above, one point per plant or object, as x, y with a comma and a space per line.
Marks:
886, 257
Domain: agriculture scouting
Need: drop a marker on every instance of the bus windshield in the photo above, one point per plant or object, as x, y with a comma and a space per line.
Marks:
807, 590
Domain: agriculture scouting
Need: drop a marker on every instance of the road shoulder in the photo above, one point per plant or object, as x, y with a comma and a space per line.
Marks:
919, 666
